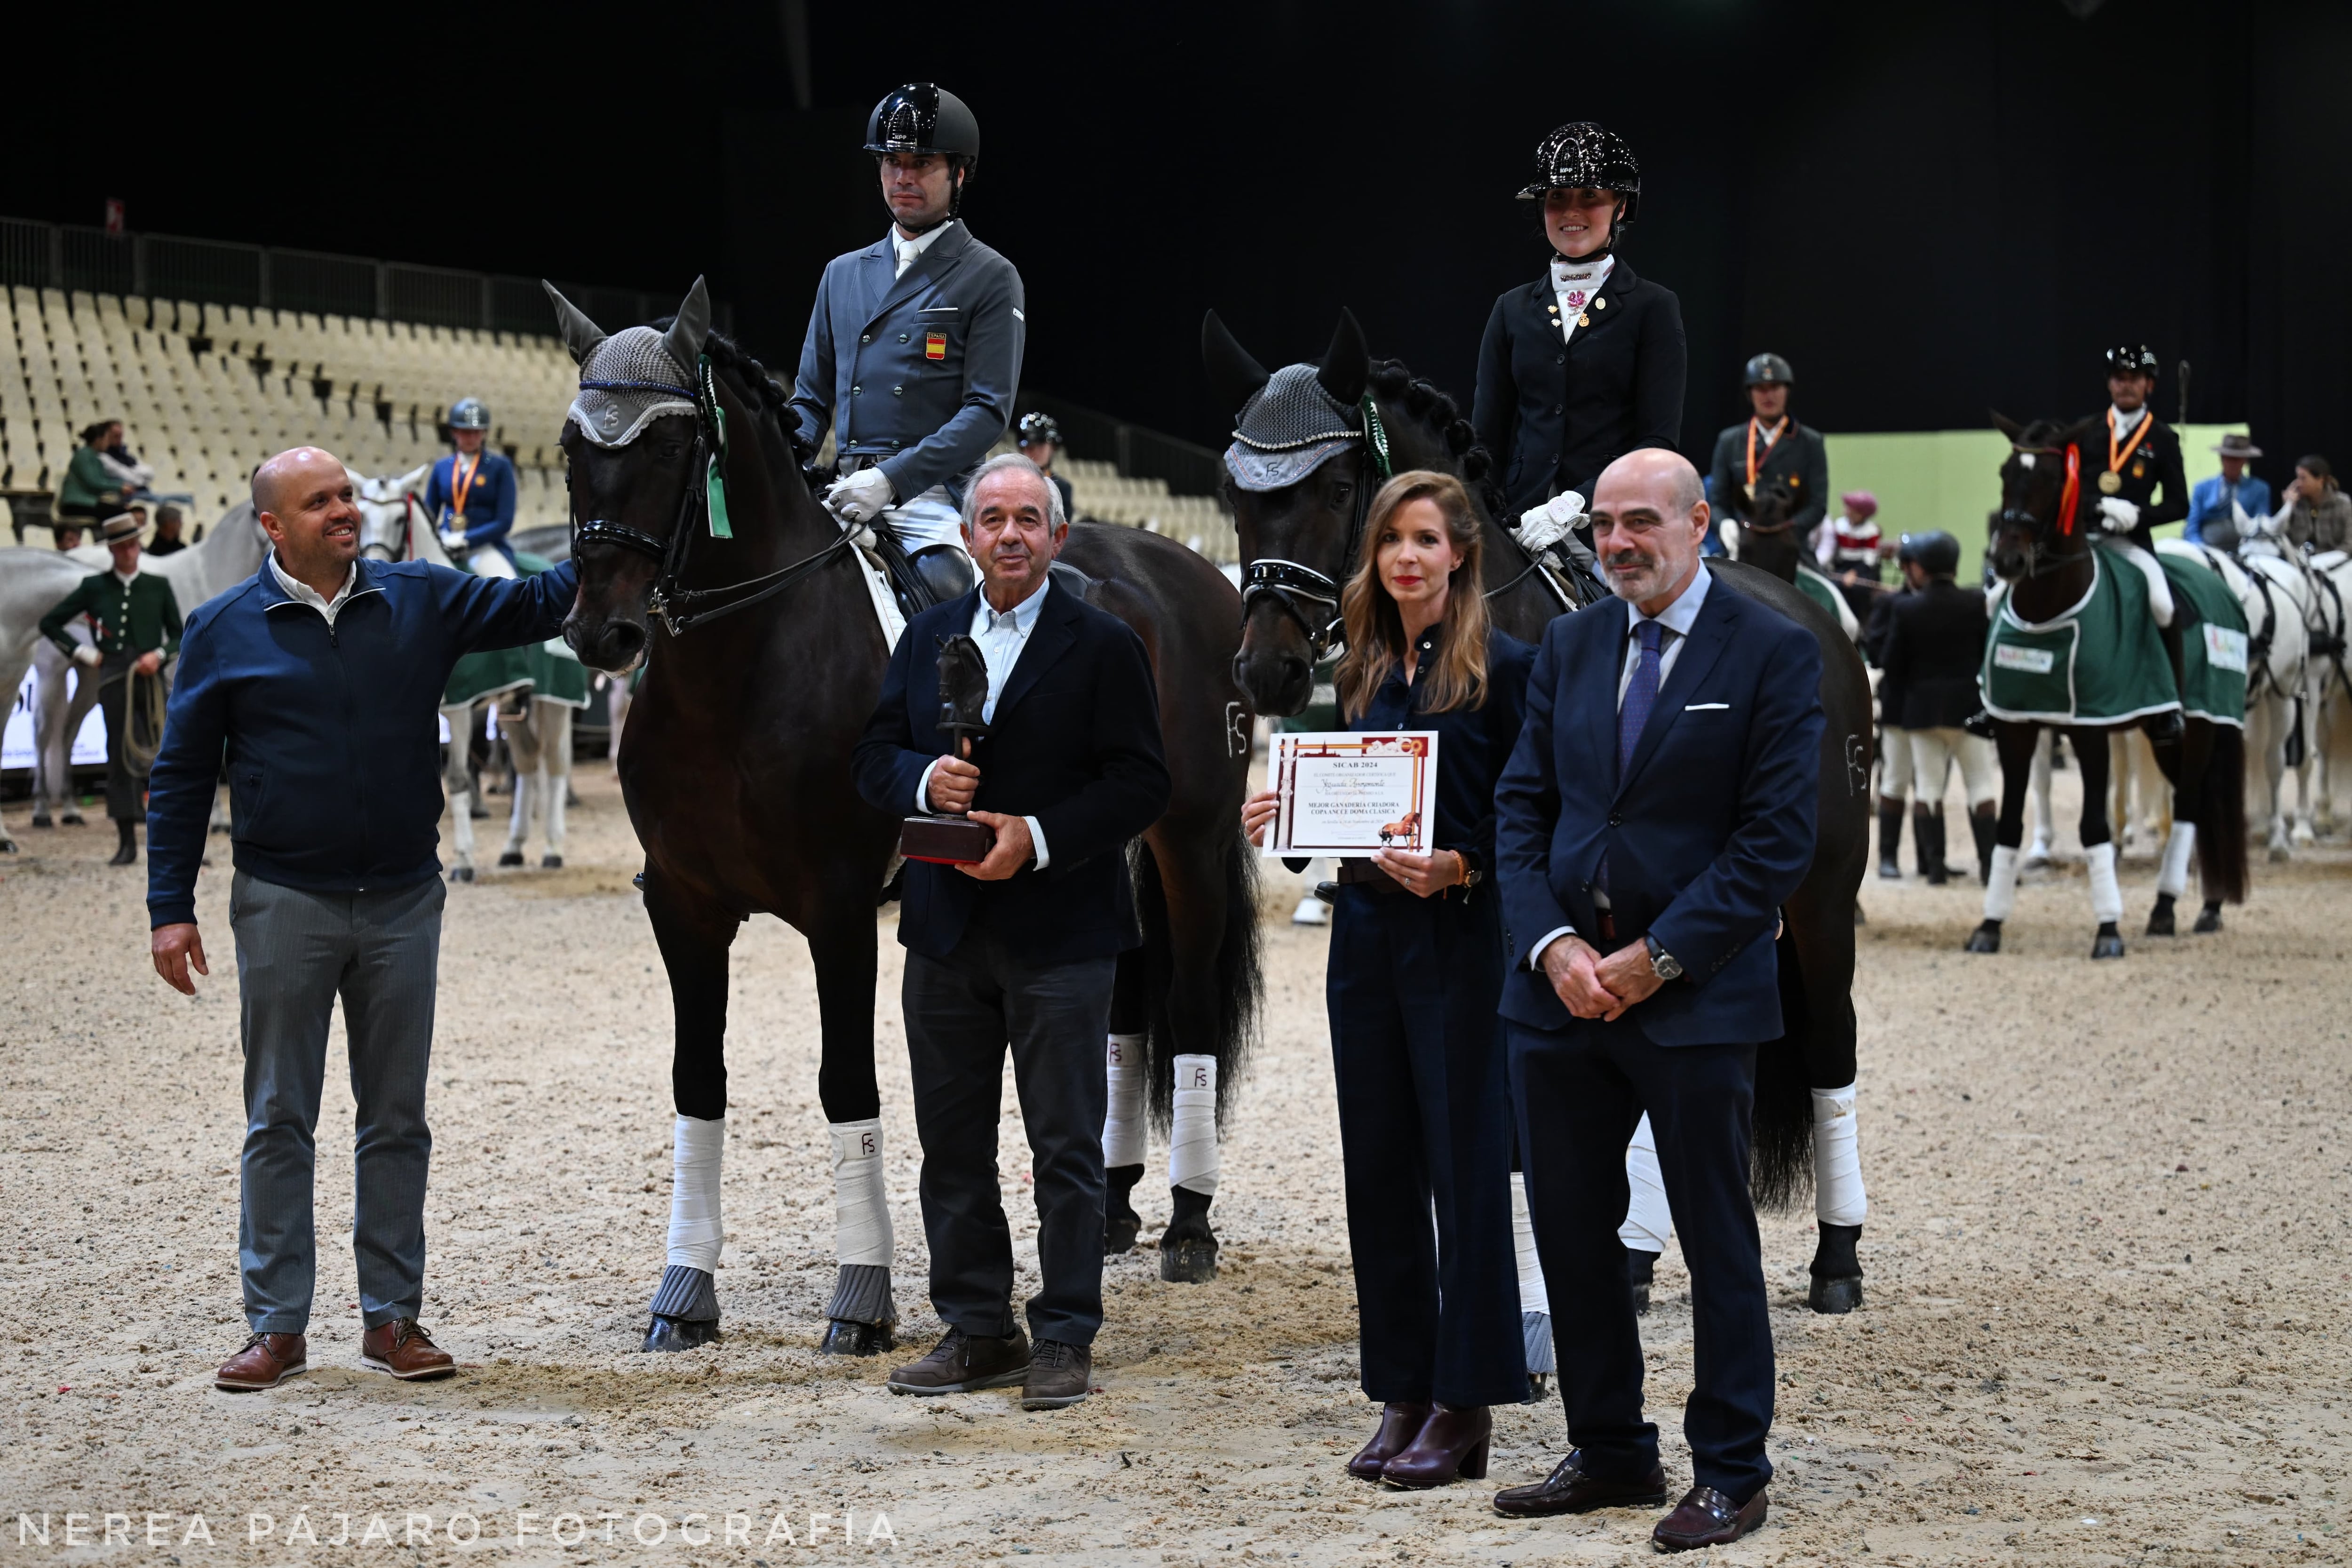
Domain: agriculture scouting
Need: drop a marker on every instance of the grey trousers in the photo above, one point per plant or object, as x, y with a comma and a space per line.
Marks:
296, 953
962, 1015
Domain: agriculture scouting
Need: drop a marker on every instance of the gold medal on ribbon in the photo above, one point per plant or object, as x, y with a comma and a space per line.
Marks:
2110, 482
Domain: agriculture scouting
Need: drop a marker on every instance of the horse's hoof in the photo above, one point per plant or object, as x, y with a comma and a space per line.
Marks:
1986, 938
843, 1337
2108, 943
7, 845
1190, 1261
41, 820
2281, 853
2159, 922
478, 812
1538, 1384
550, 862
1120, 1232
2208, 920
679, 1334
1889, 871
461, 873
72, 818
510, 857
1835, 1297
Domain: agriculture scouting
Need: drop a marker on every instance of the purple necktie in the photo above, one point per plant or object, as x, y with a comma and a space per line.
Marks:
1633, 712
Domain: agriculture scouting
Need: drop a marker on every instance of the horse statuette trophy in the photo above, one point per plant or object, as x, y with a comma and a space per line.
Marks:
943, 839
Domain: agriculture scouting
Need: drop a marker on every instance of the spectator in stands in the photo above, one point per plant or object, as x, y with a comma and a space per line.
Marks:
472, 494
67, 535
2218, 505
95, 486
1040, 438
1848, 549
167, 539
2317, 515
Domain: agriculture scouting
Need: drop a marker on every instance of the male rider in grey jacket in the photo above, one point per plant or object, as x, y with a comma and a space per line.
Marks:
914, 346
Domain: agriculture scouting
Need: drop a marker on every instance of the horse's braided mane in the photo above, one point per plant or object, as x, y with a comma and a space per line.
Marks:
772, 399
1441, 416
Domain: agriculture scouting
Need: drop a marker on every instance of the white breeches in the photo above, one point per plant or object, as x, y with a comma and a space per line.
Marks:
2159, 587
928, 518
490, 561
1933, 754
1895, 766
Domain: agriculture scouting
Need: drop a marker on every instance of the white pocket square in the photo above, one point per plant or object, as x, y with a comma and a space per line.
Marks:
1707, 707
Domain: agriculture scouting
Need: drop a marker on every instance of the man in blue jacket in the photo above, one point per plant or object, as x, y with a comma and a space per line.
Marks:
914, 344
2216, 504
1658, 809
1018, 950
318, 680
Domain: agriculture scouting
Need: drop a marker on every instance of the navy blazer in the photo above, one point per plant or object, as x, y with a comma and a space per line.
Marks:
1473, 743
1555, 414
1708, 832
918, 371
1075, 743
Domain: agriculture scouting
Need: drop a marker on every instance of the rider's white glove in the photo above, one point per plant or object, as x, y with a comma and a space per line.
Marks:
2121, 516
86, 655
861, 496
1541, 527
453, 539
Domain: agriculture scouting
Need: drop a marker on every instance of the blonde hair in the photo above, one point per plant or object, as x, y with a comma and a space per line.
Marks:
1376, 641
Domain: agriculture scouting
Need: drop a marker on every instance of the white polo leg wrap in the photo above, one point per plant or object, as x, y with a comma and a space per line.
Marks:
2042, 814
2173, 877
2000, 888
1533, 1295
1648, 1220
860, 1206
519, 819
1838, 1197
559, 785
461, 824
696, 1231
1193, 1132
1123, 1129
2107, 898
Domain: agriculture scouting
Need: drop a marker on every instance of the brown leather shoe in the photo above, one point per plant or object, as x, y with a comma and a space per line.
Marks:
1706, 1517
1568, 1489
1058, 1375
961, 1362
1400, 1425
1452, 1446
403, 1349
266, 1360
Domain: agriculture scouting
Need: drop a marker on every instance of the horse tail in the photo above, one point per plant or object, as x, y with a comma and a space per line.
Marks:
1780, 1158
2221, 818
1235, 983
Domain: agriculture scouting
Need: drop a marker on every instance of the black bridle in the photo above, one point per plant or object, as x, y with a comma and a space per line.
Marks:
1311, 598
678, 608
2036, 529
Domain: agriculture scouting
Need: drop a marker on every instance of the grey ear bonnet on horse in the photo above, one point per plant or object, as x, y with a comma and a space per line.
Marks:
1290, 426
641, 375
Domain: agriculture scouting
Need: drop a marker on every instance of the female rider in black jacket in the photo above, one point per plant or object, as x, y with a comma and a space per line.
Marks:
1587, 363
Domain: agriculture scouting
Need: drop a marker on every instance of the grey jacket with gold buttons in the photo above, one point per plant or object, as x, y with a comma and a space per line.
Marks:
919, 372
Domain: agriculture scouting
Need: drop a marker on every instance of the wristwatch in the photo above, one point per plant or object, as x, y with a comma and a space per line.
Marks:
1472, 875
1662, 964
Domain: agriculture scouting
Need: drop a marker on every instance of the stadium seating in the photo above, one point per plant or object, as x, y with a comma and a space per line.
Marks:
207, 391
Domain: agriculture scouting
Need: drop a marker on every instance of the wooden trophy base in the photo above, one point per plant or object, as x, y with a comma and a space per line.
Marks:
946, 840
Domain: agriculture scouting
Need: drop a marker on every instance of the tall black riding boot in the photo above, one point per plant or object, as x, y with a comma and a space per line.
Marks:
1927, 844
1982, 822
1890, 838
126, 852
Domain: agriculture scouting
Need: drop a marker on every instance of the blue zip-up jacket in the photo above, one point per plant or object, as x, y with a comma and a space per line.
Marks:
331, 733
491, 500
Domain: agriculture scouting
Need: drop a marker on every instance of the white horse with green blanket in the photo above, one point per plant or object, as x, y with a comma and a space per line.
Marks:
534, 691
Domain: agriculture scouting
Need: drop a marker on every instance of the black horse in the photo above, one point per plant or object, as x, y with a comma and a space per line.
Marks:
1310, 524
2042, 548
735, 763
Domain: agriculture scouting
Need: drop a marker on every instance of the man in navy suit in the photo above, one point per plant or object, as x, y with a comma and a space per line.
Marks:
1658, 809
1019, 948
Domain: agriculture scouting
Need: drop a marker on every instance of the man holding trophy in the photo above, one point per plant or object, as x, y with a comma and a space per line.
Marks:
1014, 915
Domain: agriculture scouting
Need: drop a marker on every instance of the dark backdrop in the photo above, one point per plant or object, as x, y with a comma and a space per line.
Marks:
1928, 208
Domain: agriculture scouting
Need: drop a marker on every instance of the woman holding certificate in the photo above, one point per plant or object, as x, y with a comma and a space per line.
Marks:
1416, 975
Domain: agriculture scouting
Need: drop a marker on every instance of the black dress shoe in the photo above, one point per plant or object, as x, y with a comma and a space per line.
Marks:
1568, 1489
1401, 1423
1706, 1517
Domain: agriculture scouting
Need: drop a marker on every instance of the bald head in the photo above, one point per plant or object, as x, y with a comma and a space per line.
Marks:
1649, 514
305, 500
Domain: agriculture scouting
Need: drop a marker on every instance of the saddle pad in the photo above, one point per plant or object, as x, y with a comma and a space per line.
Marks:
2101, 662
2214, 644
1822, 591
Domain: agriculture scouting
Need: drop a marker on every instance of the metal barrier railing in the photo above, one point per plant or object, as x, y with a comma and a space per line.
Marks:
71, 256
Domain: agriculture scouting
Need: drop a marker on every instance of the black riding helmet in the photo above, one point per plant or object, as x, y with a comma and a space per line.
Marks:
1036, 428
1770, 370
1582, 153
1936, 553
2126, 360
923, 116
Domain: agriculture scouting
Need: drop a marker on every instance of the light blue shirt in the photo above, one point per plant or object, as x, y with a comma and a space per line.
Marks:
1002, 635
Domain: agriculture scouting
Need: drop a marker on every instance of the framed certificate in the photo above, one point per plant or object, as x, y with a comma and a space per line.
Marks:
1348, 793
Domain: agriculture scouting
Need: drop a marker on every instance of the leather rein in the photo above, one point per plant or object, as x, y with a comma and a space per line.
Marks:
679, 608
